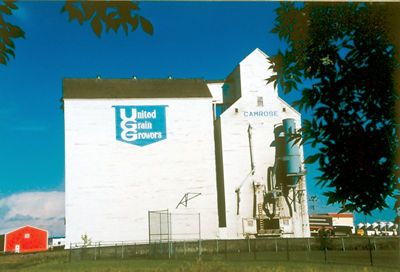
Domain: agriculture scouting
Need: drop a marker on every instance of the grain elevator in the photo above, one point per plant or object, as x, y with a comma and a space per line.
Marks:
136, 145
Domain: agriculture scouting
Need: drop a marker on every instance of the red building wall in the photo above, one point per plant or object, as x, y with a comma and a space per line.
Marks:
28, 238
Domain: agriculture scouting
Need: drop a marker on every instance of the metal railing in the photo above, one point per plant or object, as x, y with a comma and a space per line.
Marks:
376, 251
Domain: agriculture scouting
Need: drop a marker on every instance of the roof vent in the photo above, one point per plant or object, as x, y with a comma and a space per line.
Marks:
169, 77
134, 77
98, 77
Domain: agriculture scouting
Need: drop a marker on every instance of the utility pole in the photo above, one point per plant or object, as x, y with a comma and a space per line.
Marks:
314, 199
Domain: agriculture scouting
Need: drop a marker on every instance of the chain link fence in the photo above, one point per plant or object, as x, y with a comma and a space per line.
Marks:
376, 251
166, 228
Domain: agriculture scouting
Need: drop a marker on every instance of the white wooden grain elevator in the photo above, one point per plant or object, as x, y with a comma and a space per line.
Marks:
136, 145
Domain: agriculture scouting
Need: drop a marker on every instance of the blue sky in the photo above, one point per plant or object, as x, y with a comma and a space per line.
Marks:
201, 39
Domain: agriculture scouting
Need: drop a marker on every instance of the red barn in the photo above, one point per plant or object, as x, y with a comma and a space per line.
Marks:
25, 239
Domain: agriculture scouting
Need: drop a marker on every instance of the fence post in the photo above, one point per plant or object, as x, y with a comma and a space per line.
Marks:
95, 251
325, 249
255, 249
343, 248
150, 250
276, 245
184, 248
99, 251
308, 244
70, 252
174, 248
199, 238
374, 244
134, 252
169, 234
370, 251
217, 246
115, 251
226, 250
287, 249
248, 244
199, 249
122, 251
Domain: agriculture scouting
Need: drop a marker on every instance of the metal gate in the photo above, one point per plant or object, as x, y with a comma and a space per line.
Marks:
166, 227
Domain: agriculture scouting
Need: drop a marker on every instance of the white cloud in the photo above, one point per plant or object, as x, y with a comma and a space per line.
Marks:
39, 209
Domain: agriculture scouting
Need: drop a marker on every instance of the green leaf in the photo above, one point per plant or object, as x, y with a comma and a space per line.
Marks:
75, 13
131, 5
112, 15
312, 158
275, 30
134, 22
114, 24
88, 10
287, 89
5, 56
101, 8
10, 4
10, 52
295, 103
3, 60
5, 10
272, 78
96, 26
125, 28
16, 32
66, 6
146, 25
8, 42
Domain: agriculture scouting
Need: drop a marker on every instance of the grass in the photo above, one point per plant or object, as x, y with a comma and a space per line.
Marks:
58, 261
190, 266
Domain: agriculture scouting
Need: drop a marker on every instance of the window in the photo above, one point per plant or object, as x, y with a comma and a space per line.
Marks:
27, 235
260, 101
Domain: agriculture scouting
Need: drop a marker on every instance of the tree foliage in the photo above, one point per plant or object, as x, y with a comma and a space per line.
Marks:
345, 51
101, 14
113, 14
8, 32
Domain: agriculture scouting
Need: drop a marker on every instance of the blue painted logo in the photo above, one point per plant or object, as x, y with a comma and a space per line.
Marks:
140, 125
264, 113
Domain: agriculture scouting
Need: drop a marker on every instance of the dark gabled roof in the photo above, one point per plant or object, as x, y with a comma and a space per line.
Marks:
216, 81
134, 88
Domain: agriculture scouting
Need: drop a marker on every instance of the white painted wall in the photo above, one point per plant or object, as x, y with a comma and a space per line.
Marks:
111, 185
236, 150
216, 91
342, 221
57, 242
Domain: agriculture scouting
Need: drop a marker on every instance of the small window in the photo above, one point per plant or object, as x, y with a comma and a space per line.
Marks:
260, 101
27, 235
284, 109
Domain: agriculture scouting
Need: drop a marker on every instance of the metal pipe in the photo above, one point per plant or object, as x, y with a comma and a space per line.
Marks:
251, 148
